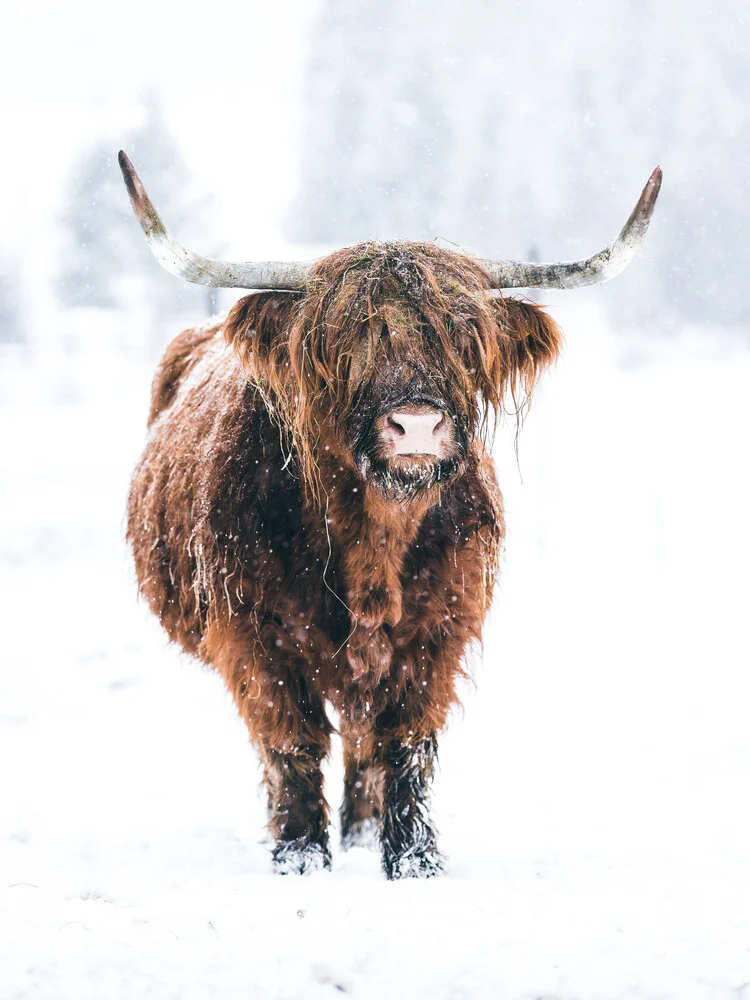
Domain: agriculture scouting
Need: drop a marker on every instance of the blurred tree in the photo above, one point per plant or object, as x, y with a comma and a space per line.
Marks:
94, 228
107, 262
11, 326
505, 124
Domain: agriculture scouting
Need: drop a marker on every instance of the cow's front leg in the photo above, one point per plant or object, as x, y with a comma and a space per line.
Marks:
407, 837
362, 802
298, 814
271, 674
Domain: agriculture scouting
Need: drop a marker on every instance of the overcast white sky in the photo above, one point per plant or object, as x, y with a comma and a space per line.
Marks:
227, 74
604, 89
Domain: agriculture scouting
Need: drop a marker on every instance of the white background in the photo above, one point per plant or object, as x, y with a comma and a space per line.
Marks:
592, 795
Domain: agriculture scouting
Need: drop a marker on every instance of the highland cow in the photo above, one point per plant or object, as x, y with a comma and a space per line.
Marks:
316, 514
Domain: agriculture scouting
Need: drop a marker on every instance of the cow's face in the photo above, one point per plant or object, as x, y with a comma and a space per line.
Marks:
392, 360
413, 402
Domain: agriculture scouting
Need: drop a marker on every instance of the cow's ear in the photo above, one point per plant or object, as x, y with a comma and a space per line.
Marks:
257, 328
531, 339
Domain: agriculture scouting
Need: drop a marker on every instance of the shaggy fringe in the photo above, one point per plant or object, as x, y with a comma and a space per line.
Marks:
301, 351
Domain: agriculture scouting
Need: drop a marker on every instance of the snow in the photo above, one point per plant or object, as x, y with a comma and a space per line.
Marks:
592, 794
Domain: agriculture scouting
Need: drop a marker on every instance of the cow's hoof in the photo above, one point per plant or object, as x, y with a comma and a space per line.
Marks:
363, 833
415, 864
300, 857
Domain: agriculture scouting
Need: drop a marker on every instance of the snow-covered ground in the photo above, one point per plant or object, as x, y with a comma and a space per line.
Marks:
593, 794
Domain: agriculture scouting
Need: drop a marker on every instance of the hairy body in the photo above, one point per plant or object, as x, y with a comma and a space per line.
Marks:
284, 550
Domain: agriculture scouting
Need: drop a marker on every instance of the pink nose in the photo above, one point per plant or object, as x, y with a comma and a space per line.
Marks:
417, 430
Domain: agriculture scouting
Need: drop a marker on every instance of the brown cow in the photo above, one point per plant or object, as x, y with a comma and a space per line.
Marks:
316, 515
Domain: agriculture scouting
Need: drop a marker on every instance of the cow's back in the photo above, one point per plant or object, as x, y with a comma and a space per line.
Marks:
181, 357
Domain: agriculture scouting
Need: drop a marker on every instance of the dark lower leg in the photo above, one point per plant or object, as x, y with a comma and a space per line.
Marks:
407, 837
299, 813
360, 809
274, 687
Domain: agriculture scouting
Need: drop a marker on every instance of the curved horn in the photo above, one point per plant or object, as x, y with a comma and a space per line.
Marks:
575, 273
175, 258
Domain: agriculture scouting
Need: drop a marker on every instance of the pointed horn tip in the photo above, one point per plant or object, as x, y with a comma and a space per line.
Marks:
139, 199
645, 205
654, 182
127, 168
129, 176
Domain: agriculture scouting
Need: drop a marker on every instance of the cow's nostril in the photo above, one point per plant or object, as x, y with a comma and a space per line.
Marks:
439, 425
396, 426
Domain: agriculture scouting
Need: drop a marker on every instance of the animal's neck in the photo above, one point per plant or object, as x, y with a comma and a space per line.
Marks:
372, 535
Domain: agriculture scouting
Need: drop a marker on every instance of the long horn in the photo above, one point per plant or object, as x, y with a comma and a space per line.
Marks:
575, 273
175, 258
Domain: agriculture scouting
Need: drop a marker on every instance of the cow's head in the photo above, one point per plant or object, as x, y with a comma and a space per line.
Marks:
393, 358
391, 355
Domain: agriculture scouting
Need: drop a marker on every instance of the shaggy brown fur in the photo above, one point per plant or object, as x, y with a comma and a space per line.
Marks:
274, 543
